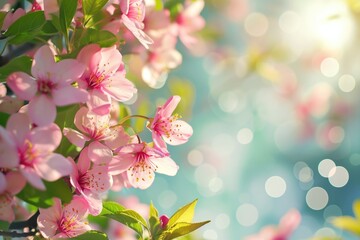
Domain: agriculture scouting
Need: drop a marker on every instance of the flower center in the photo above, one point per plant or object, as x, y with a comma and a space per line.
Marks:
167, 127
95, 80
136, 11
66, 225
28, 154
45, 86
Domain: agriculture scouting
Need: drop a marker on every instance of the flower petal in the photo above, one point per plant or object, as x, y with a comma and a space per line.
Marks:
181, 132
75, 137
48, 219
15, 182
117, 138
144, 39
99, 103
8, 152
170, 105
53, 167
84, 162
32, 177
118, 87
42, 110
69, 95
43, 62
6, 210
99, 154
165, 166
141, 179
19, 125
45, 139
121, 163
3, 183
77, 208
68, 71
22, 85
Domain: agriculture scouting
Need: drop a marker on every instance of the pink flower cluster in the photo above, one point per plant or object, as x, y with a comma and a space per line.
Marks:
105, 154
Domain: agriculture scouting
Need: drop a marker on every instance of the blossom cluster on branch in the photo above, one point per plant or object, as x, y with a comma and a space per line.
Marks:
63, 142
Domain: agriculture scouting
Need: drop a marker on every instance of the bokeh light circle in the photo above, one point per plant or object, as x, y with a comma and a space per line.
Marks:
256, 24
222, 221
247, 214
317, 198
347, 83
245, 136
339, 177
275, 186
329, 67
325, 167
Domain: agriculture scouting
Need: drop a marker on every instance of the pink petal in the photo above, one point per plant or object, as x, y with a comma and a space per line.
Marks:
99, 102
43, 62
141, 179
124, 6
100, 180
45, 139
289, 222
158, 140
165, 166
8, 152
19, 125
32, 177
48, 219
181, 133
77, 208
84, 162
15, 182
10, 104
99, 154
144, 39
121, 163
94, 202
90, 57
111, 60
68, 71
6, 210
53, 167
69, 95
170, 105
42, 110
22, 85
119, 87
79, 118
117, 138
75, 137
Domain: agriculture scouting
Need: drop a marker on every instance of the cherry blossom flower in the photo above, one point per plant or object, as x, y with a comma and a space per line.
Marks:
95, 127
288, 223
49, 87
92, 181
133, 14
104, 77
141, 162
14, 183
189, 21
167, 128
64, 222
32, 149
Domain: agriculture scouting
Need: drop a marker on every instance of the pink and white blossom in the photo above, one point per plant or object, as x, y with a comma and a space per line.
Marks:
167, 128
49, 86
31, 149
64, 222
104, 77
141, 162
92, 180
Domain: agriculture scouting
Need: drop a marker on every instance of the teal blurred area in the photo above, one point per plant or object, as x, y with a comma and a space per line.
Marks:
276, 118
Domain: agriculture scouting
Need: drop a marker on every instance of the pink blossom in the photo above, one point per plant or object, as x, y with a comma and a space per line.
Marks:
92, 181
141, 162
167, 128
95, 127
14, 183
104, 77
133, 14
33, 150
64, 222
288, 223
189, 21
49, 87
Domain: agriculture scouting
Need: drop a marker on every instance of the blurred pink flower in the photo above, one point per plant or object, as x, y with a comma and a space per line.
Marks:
14, 184
49, 87
167, 128
288, 223
10, 18
64, 222
34, 150
104, 77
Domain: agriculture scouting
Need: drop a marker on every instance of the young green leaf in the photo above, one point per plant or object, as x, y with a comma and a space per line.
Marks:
4, 225
2, 17
154, 221
28, 23
67, 12
101, 37
91, 7
91, 235
19, 64
3, 118
181, 229
59, 189
159, 5
41, 199
128, 221
184, 214
110, 207
153, 211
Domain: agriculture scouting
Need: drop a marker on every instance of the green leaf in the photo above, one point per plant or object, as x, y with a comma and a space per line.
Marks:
159, 5
3, 118
110, 207
2, 17
128, 221
4, 225
91, 7
44, 199
154, 221
101, 37
181, 229
153, 211
91, 235
28, 23
347, 223
67, 12
184, 214
19, 64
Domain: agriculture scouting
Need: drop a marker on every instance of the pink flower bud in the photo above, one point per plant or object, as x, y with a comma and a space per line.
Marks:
163, 221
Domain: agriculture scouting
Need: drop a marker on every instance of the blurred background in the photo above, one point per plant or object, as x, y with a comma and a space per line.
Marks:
272, 92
